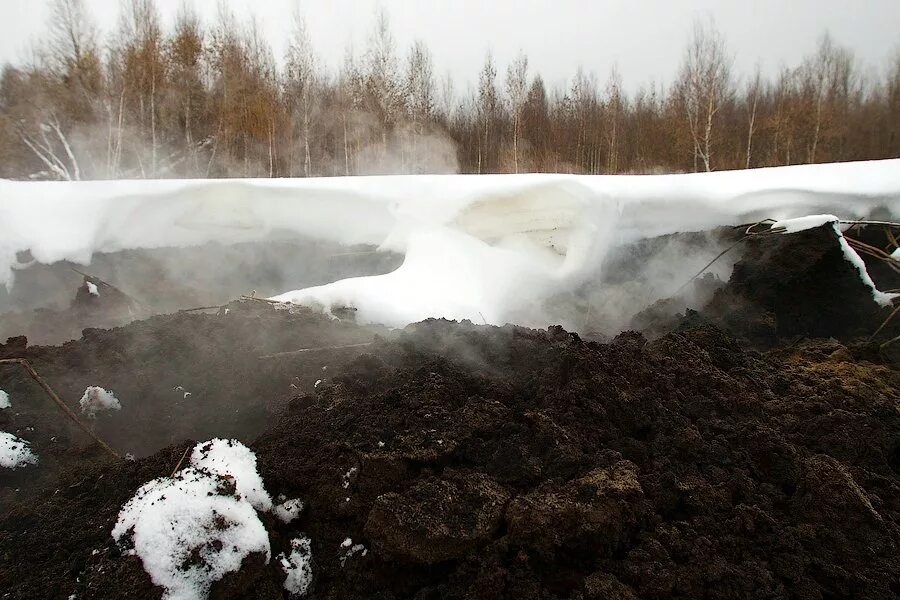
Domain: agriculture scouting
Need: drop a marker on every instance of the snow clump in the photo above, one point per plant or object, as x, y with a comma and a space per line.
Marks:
191, 529
288, 510
15, 452
4, 400
96, 399
297, 566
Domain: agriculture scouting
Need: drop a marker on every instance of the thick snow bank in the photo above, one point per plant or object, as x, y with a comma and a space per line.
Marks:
15, 452
478, 247
192, 529
96, 399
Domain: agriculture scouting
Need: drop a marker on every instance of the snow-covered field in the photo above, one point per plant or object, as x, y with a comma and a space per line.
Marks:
484, 248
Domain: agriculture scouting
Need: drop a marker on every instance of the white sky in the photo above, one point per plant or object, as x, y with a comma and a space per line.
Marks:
644, 38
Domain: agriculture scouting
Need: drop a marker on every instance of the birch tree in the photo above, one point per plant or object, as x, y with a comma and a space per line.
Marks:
705, 86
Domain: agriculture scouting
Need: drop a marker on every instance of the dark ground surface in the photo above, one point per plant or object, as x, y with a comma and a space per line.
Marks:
750, 449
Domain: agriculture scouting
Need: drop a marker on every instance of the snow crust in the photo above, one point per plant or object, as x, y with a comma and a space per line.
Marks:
192, 529
485, 248
297, 566
15, 452
96, 400
4, 400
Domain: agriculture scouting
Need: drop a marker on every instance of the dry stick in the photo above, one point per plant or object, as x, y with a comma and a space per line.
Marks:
109, 285
320, 348
890, 236
266, 300
183, 310
874, 252
889, 342
65, 408
886, 321
180, 460
710, 263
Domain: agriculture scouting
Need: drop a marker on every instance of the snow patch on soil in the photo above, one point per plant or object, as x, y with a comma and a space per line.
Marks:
15, 452
288, 510
192, 529
4, 400
96, 399
297, 566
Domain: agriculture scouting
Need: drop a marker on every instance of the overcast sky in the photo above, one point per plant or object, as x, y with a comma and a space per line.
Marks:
644, 38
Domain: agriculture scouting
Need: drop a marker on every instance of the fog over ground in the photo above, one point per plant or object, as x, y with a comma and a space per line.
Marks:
644, 39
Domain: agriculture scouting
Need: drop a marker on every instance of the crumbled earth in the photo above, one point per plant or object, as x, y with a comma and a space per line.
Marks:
704, 460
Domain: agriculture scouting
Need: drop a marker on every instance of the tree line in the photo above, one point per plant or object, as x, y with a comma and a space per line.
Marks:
213, 101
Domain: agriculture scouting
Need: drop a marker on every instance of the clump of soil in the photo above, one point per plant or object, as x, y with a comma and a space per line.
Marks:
784, 288
475, 461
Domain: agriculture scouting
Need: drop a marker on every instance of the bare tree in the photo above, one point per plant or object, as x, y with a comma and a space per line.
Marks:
705, 86
516, 93
486, 108
753, 91
302, 81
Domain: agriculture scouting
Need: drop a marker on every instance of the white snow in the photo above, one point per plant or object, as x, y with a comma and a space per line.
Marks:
297, 566
4, 400
230, 458
350, 550
15, 452
804, 223
486, 248
882, 298
345, 481
92, 289
896, 254
96, 399
316, 384
190, 530
288, 510
813, 221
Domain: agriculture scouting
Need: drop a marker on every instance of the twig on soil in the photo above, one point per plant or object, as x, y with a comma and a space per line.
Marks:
62, 405
889, 342
317, 349
886, 321
266, 300
180, 460
710, 263
184, 310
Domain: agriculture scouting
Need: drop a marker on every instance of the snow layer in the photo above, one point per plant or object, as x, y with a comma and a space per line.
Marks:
192, 529
804, 223
96, 399
4, 400
486, 248
297, 566
882, 298
15, 452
